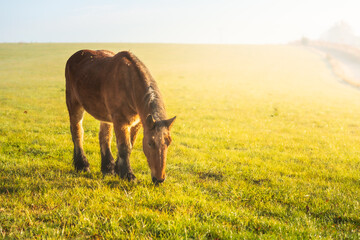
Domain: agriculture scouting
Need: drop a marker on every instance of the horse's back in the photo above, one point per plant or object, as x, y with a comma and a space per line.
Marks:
84, 58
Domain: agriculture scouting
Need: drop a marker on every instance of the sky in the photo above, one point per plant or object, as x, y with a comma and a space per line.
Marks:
173, 21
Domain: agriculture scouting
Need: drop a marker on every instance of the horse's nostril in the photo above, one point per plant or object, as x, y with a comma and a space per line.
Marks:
156, 181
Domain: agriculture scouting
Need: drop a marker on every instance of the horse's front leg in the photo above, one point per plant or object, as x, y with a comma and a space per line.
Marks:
123, 138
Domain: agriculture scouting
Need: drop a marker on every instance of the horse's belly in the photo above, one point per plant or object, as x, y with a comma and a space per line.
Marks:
93, 103
101, 115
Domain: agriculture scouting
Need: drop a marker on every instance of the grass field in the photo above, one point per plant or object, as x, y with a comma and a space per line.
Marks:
266, 145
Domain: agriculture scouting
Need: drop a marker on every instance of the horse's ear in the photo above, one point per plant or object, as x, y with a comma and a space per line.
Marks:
168, 123
150, 121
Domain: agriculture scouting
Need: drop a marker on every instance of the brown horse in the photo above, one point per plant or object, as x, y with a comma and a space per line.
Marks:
118, 90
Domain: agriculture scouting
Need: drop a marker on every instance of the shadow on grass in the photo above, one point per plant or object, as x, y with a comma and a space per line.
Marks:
336, 219
258, 181
218, 176
40, 178
8, 187
115, 182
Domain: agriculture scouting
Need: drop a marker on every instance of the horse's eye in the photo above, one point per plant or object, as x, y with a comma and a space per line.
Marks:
151, 144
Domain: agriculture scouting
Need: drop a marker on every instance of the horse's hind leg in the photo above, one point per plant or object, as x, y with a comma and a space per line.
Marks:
107, 160
76, 113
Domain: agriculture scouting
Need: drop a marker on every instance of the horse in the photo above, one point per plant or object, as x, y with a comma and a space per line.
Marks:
119, 91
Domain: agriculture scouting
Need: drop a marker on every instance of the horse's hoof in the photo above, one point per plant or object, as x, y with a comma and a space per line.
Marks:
81, 163
129, 176
107, 173
85, 170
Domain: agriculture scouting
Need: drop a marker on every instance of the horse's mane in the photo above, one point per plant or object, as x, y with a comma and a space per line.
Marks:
152, 98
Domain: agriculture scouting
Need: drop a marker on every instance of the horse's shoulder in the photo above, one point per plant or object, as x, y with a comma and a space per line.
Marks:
105, 53
125, 57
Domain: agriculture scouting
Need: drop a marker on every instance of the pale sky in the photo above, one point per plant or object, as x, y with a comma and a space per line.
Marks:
173, 21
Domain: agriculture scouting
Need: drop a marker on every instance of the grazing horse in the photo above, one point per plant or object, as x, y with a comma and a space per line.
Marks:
118, 90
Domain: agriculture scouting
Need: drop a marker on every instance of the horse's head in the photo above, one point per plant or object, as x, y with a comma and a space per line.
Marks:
155, 144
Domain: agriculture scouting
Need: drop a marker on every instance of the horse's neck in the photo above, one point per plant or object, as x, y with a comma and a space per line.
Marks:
148, 101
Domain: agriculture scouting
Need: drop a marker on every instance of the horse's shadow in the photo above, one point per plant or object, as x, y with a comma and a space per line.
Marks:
38, 180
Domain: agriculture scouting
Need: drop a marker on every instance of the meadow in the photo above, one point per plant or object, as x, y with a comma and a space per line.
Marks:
266, 145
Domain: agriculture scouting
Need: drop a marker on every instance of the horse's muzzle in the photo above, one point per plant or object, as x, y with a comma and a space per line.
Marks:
156, 181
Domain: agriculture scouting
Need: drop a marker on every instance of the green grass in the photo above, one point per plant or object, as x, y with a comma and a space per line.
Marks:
266, 145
